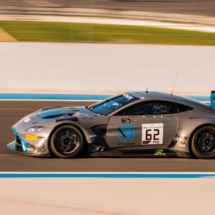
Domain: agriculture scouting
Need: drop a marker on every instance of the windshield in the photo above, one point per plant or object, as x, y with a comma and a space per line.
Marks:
110, 105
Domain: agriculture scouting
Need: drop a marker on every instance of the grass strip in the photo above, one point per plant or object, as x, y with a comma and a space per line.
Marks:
78, 32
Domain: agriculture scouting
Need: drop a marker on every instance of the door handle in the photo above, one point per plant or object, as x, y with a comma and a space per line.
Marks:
125, 120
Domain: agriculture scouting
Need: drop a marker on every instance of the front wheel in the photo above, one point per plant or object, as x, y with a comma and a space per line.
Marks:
203, 143
67, 142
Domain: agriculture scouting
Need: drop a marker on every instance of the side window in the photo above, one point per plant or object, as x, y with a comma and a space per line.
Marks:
148, 108
154, 107
181, 108
162, 107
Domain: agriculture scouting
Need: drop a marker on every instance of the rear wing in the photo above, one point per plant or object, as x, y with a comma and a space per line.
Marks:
212, 98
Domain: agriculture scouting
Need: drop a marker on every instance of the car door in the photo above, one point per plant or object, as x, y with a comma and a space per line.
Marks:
149, 124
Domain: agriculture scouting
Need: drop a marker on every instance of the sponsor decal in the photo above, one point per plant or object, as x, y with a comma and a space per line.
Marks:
126, 120
166, 121
41, 149
26, 119
31, 150
159, 152
152, 134
201, 117
50, 108
127, 96
182, 143
30, 137
179, 136
126, 133
125, 144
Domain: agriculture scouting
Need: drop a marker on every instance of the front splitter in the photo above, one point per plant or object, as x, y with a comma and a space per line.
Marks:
12, 146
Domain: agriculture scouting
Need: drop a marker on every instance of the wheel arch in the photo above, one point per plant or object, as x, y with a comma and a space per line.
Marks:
194, 131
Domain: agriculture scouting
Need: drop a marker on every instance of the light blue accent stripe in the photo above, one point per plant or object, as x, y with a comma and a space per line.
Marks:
71, 97
108, 175
49, 97
24, 144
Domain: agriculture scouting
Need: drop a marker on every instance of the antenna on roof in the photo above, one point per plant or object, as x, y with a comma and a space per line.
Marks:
174, 83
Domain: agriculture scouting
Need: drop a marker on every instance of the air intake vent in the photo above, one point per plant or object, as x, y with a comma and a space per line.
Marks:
57, 116
100, 129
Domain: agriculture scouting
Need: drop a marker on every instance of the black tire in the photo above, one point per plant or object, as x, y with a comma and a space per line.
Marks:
67, 142
203, 143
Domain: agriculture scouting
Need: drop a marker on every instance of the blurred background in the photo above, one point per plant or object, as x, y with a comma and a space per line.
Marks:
190, 22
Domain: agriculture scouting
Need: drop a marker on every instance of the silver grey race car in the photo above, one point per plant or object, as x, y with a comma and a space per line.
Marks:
134, 124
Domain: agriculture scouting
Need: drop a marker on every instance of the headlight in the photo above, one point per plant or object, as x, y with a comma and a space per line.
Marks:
35, 129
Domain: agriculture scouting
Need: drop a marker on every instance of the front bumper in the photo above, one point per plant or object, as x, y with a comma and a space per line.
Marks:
30, 144
20, 145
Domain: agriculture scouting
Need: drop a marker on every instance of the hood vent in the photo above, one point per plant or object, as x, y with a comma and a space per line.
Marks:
57, 116
66, 118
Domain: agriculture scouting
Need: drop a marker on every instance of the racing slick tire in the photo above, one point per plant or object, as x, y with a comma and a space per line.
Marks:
203, 143
67, 142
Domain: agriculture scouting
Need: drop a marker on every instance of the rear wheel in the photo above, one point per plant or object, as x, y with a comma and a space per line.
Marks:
67, 142
203, 143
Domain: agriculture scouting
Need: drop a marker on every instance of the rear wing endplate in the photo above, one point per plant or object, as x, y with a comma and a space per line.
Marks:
212, 98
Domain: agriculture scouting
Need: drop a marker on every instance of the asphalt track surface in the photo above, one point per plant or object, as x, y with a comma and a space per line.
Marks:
193, 7
12, 111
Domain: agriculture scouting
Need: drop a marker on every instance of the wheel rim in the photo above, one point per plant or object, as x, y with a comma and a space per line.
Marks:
205, 142
67, 141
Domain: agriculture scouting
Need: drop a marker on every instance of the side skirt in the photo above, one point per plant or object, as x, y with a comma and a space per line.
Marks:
146, 153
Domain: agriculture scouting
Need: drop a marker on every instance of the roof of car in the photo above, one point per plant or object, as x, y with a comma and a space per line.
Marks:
164, 96
155, 95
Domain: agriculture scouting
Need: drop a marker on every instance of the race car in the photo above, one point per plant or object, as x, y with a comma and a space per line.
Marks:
132, 124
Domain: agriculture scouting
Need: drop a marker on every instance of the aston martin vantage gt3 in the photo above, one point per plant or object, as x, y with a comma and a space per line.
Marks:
133, 124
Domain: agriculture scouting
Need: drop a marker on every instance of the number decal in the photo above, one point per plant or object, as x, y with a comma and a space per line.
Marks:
156, 136
152, 134
148, 136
